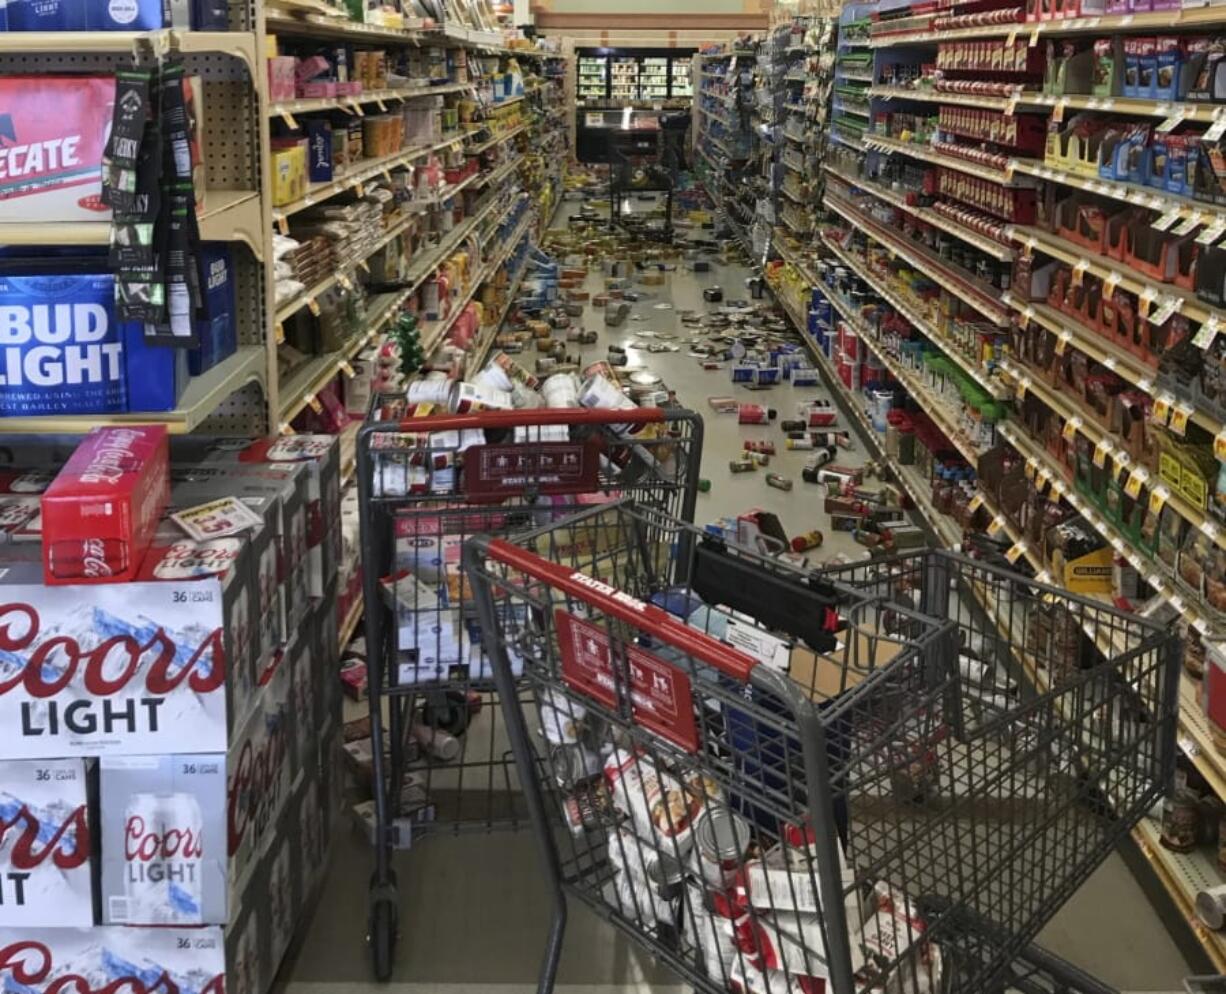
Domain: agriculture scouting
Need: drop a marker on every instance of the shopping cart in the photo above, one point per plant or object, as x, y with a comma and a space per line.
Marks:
778, 781
438, 758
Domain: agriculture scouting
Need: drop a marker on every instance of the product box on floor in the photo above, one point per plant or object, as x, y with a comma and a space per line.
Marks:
46, 843
43, 960
164, 839
169, 696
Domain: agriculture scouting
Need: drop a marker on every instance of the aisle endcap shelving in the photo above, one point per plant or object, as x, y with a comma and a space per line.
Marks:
240, 44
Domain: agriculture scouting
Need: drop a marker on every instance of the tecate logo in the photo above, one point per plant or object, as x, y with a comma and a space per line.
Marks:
110, 667
30, 963
68, 847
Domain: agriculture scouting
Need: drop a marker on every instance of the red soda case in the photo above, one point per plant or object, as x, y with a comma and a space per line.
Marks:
786, 941
102, 508
766, 448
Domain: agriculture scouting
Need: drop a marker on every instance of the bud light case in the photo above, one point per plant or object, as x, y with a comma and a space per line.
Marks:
112, 958
168, 694
164, 839
53, 131
46, 850
61, 350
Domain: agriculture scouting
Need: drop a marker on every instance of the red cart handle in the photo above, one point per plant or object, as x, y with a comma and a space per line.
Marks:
651, 619
535, 416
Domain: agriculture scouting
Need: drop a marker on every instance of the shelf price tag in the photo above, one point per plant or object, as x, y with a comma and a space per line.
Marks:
1015, 553
1207, 332
1161, 413
995, 527
1158, 496
1219, 445
279, 333
313, 403
1022, 386
313, 306
1217, 128
1034, 36
1070, 428
1166, 220
1146, 300
1212, 233
976, 503
1170, 305
1057, 112
1173, 121
1136, 480
1211, 529
289, 120
1030, 467
1179, 419
1190, 223
347, 369
1062, 342
282, 222
1101, 450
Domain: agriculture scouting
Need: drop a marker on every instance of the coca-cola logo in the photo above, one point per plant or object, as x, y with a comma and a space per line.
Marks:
109, 667
254, 783
30, 963
94, 562
68, 848
143, 844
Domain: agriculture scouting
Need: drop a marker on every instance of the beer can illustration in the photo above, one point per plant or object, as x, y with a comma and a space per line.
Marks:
163, 860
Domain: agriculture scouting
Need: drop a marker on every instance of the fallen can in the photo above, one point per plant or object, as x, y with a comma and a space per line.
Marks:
742, 466
758, 458
777, 481
704, 486
753, 446
807, 541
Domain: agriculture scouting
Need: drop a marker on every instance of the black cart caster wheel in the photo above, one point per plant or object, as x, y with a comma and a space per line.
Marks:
384, 926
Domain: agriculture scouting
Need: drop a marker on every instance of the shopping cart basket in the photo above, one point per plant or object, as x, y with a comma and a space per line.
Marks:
779, 781
438, 757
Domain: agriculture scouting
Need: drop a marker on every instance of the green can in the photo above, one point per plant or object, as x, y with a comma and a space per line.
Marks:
778, 482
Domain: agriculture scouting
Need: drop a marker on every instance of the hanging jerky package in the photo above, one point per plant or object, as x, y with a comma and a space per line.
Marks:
133, 111
179, 329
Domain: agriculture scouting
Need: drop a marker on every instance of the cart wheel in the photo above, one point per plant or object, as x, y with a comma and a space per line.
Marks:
384, 916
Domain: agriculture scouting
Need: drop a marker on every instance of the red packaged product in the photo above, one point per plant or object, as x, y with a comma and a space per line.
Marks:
103, 507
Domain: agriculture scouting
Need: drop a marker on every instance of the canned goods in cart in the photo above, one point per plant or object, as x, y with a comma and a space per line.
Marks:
721, 837
573, 763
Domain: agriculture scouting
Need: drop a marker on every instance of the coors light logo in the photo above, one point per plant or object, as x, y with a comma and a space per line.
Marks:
108, 961
136, 668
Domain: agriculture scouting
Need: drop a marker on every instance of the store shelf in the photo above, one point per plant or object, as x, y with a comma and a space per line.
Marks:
926, 95
201, 398
1167, 20
353, 105
240, 44
361, 173
926, 153
312, 25
496, 140
919, 320
963, 287
1110, 355
929, 216
1161, 294
1130, 193
350, 624
483, 350
229, 215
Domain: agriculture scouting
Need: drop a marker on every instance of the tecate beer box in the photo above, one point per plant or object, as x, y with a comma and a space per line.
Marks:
164, 839
260, 770
46, 873
102, 508
113, 959
54, 130
118, 669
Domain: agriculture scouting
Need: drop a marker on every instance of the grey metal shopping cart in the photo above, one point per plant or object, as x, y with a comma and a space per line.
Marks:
779, 780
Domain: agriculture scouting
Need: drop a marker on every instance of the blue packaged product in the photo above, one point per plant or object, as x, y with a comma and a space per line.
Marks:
136, 15
319, 151
218, 327
156, 375
743, 374
46, 15
61, 350
768, 376
804, 376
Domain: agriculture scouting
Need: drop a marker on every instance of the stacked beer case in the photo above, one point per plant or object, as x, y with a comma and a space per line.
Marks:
170, 703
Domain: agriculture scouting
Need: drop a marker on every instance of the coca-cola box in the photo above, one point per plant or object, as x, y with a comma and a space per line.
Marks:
103, 507
46, 848
175, 557
307, 692
114, 958
164, 839
265, 593
319, 454
109, 669
325, 634
261, 771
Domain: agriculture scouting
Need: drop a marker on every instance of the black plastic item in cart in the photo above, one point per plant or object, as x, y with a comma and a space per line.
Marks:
425, 485
888, 815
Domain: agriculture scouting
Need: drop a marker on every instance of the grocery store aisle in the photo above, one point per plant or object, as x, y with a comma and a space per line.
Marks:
475, 908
